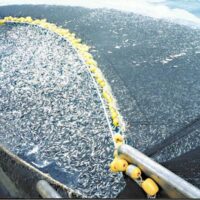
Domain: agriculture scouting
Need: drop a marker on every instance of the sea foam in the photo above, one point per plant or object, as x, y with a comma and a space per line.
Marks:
152, 8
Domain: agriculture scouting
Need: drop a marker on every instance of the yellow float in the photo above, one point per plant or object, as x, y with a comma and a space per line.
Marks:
116, 122
150, 187
118, 165
133, 171
118, 138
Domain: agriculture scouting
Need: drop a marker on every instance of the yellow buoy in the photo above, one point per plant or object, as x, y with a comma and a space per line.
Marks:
87, 55
113, 110
113, 114
116, 122
2, 22
83, 48
106, 96
110, 99
115, 153
118, 165
45, 25
101, 82
62, 32
93, 69
28, 19
98, 74
78, 40
118, 138
133, 171
37, 21
150, 187
91, 62
9, 18
21, 19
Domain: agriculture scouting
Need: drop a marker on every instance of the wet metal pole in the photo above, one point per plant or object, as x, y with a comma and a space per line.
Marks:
45, 190
173, 185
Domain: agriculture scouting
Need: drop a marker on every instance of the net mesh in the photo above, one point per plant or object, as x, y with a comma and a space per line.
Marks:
50, 112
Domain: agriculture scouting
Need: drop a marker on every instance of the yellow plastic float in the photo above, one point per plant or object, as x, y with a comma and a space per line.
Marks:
2, 22
118, 138
134, 172
150, 187
121, 165
93, 69
118, 165
116, 122
115, 153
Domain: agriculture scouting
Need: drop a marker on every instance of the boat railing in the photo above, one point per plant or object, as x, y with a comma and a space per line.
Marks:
173, 185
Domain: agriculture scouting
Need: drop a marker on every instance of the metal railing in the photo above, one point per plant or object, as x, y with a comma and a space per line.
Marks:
173, 185
46, 190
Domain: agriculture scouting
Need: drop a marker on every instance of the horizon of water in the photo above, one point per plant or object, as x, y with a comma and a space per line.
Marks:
185, 12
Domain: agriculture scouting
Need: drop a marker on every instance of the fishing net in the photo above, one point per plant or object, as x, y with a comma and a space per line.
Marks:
50, 112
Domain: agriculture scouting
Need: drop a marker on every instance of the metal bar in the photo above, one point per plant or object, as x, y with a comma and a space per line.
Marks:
8, 158
10, 186
173, 185
45, 190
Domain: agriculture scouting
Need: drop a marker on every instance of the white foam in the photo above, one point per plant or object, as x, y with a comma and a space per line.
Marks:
178, 55
42, 164
33, 151
152, 8
171, 57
